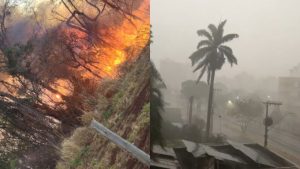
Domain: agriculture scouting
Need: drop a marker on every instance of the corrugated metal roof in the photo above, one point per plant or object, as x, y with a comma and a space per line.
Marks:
254, 155
163, 150
199, 150
248, 154
165, 157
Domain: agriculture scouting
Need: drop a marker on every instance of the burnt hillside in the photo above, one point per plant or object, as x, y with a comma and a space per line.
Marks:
122, 105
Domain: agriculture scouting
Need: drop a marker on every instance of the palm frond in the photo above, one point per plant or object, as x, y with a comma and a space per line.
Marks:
201, 73
224, 47
156, 77
231, 59
208, 57
156, 92
221, 25
203, 63
204, 43
220, 60
214, 31
221, 28
229, 37
199, 54
203, 32
157, 106
227, 51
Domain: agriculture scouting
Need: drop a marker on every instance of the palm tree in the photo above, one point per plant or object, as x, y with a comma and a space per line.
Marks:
211, 55
156, 108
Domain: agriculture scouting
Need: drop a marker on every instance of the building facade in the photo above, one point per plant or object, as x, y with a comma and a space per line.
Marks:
289, 93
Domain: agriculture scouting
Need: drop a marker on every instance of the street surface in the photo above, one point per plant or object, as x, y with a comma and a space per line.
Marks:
281, 142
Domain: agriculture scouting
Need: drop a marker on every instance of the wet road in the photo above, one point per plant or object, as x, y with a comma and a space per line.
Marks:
282, 142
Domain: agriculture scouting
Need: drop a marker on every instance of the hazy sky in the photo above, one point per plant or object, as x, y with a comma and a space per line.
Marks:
269, 32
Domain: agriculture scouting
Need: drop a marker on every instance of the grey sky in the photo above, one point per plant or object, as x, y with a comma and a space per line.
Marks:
269, 32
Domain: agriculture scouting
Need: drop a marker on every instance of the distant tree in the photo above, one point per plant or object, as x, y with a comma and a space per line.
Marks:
277, 116
157, 106
210, 56
220, 96
191, 88
246, 110
192, 132
197, 90
221, 87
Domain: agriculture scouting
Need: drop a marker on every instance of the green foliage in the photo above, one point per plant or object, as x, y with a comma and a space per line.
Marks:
210, 56
91, 102
191, 88
13, 164
15, 55
107, 114
77, 161
8, 163
11, 145
110, 107
211, 53
246, 109
192, 132
141, 122
146, 108
156, 108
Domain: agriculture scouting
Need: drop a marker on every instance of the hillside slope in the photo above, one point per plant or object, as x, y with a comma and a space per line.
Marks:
122, 105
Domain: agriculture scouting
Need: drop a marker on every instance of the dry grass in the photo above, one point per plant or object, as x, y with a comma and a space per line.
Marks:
86, 149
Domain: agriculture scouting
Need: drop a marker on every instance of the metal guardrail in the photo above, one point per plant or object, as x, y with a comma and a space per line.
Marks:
122, 143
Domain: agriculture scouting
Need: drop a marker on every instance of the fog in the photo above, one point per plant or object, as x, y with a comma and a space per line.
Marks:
266, 50
268, 29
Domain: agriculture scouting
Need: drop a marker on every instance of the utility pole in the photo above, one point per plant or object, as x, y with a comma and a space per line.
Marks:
268, 121
220, 120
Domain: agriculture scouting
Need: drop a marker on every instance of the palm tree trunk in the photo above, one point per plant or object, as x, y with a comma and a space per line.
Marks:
210, 101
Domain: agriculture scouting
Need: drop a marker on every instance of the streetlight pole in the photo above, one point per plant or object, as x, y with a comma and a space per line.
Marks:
268, 121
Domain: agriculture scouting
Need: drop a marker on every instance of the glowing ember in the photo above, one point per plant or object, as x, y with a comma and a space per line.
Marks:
57, 96
63, 87
117, 61
120, 58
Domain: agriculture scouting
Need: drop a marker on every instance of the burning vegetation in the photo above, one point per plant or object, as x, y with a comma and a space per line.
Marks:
54, 67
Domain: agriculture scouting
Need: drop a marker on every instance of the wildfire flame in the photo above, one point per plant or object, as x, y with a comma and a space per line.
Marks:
132, 33
125, 41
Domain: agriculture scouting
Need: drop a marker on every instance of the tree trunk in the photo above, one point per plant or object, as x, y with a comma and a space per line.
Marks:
210, 102
199, 104
190, 115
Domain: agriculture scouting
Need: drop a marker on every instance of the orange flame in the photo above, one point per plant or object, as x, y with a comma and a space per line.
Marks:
132, 33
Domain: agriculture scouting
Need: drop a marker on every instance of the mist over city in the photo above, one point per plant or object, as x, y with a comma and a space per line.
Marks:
231, 71
140, 84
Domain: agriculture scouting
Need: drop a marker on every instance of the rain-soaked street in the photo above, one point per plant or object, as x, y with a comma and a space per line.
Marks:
280, 141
